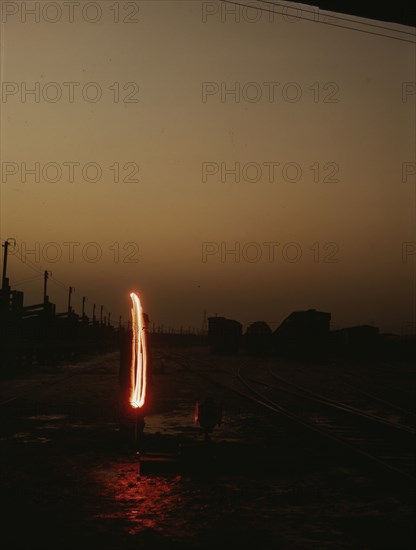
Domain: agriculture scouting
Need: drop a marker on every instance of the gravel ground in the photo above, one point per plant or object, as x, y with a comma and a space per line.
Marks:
70, 480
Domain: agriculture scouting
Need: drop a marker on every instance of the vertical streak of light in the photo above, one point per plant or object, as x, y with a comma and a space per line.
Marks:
138, 371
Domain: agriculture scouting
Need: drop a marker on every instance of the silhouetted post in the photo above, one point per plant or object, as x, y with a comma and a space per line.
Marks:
204, 327
109, 318
119, 322
45, 286
93, 313
4, 278
5, 281
69, 299
84, 298
101, 315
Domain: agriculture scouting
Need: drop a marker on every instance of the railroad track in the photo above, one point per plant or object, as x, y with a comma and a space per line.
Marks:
368, 437
365, 436
397, 392
341, 405
378, 399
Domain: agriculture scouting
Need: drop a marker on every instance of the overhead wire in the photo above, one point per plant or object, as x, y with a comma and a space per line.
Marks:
41, 272
320, 22
338, 17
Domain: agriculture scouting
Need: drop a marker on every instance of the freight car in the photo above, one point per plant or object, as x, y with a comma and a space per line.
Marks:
303, 334
224, 335
258, 339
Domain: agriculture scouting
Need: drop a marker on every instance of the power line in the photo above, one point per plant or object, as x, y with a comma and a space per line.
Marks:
321, 22
28, 280
339, 17
58, 282
27, 262
38, 270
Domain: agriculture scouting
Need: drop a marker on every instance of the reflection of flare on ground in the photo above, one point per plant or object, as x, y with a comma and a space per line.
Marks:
139, 355
148, 503
179, 509
153, 503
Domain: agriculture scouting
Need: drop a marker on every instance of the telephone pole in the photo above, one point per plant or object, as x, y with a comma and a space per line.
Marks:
204, 327
45, 285
4, 280
71, 289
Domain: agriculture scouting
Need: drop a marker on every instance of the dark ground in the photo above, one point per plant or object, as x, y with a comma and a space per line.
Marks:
69, 480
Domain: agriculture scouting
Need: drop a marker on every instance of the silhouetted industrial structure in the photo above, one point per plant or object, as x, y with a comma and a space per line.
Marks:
303, 334
258, 339
224, 335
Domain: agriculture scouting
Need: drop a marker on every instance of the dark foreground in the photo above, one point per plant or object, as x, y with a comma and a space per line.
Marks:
69, 480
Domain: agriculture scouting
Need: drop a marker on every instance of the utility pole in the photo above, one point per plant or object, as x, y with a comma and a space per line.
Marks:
6, 245
204, 327
84, 299
101, 315
45, 285
119, 322
109, 318
71, 289
93, 313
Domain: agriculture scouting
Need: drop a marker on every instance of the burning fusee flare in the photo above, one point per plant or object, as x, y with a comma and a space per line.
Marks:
138, 356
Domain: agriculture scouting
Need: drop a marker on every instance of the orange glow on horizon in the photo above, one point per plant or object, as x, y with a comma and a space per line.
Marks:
139, 355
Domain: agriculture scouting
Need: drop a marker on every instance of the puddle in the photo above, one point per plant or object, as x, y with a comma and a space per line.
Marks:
83, 426
181, 423
47, 427
26, 437
47, 417
156, 503
179, 507
175, 423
